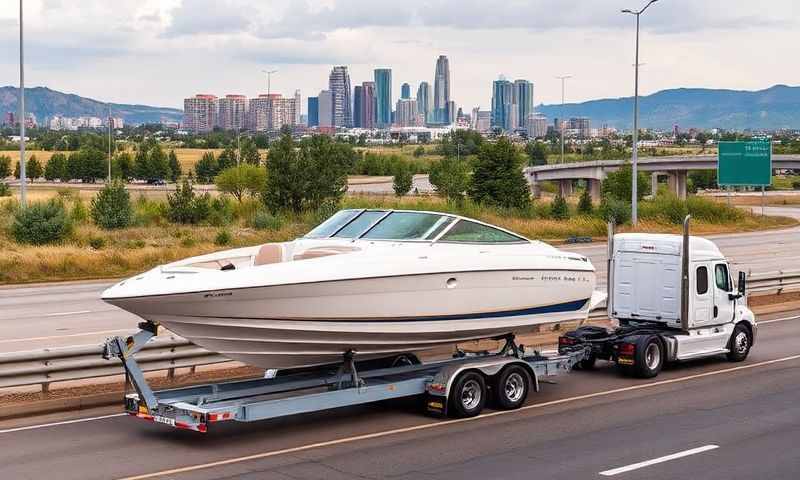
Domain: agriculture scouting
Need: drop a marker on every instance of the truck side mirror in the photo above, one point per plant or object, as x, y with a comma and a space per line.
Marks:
742, 284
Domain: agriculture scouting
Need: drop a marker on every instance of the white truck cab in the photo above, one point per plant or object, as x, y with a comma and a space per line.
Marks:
674, 299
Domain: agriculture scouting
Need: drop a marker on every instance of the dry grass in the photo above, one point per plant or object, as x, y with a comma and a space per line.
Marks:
755, 200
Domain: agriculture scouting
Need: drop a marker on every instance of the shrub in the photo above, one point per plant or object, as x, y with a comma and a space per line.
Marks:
559, 209
403, 180
183, 206
241, 180
618, 184
617, 210
97, 242
149, 212
796, 185
78, 214
264, 220
41, 223
668, 208
4, 190
5, 166
419, 151
450, 178
223, 238
221, 212
710, 211
111, 207
188, 241
585, 206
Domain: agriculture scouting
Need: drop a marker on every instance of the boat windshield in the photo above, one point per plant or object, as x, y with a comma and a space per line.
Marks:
334, 223
407, 226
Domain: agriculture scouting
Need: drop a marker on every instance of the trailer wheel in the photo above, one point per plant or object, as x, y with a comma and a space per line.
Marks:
512, 387
649, 357
468, 396
739, 344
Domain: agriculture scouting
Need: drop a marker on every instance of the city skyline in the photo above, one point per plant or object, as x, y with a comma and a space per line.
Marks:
88, 49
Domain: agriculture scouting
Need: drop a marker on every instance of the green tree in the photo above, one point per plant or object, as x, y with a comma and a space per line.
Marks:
183, 206
241, 180
141, 164
123, 167
174, 167
306, 175
111, 207
56, 168
226, 159
537, 153
450, 178
618, 184
158, 164
33, 169
585, 206
5, 166
249, 152
559, 209
75, 166
460, 142
497, 177
94, 164
206, 168
403, 179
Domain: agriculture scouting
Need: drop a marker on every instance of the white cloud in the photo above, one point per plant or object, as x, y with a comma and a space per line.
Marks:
159, 51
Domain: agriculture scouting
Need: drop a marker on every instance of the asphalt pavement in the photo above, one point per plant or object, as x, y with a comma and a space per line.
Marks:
703, 420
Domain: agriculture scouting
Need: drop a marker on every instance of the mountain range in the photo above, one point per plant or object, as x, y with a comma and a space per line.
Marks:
772, 108
44, 102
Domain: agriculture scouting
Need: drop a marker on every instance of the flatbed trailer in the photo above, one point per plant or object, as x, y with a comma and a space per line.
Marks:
458, 387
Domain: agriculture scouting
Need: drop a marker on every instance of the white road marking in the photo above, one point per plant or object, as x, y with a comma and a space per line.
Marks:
764, 322
666, 458
85, 334
65, 422
63, 314
426, 426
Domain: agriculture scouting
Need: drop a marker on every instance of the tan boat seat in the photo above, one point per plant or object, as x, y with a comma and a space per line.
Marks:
269, 253
318, 252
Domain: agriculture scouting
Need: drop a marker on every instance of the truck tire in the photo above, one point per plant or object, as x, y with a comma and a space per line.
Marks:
739, 344
511, 387
468, 395
648, 359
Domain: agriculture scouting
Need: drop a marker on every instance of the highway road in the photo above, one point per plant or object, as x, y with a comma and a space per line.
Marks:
72, 314
703, 420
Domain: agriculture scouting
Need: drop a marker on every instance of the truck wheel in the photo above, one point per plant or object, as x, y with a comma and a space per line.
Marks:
511, 388
468, 396
739, 344
649, 357
587, 363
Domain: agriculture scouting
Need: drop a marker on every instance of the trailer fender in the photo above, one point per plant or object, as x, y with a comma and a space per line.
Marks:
442, 382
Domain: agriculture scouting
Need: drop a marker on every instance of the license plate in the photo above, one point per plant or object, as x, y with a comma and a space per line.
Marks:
164, 420
625, 361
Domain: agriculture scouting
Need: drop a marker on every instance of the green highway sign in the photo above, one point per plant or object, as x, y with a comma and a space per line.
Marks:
745, 163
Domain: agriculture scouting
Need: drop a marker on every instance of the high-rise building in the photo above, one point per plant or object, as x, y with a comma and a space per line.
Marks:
368, 104
358, 97
200, 113
483, 121
523, 99
450, 111
297, 103
424, 104
580, 127
313, 111
271, 112
9, 119
339, 86
406, 112
405, 91
441, 91
232, 112
325, 109
502, 99
536, 125
383, 97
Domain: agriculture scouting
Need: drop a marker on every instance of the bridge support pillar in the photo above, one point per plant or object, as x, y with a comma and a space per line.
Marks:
594, 189
677, 183
565, 187
654, 183
536, 189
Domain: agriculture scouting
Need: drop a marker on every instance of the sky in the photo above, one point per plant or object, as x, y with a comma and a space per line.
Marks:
157, 52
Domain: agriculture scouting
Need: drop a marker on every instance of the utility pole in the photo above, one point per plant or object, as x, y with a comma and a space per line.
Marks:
635, 153
22, 179
109, 142
563, 79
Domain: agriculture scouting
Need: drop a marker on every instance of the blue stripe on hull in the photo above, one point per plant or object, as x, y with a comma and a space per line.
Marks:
560, 307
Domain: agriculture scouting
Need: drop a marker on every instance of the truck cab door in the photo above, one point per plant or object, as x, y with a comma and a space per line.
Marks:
702, 295
724, 307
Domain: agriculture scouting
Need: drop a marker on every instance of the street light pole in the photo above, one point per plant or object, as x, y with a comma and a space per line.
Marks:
269, 79
22, 179
563, 79
109, 142
635, 139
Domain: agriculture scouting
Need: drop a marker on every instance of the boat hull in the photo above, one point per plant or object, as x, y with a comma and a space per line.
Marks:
308, 324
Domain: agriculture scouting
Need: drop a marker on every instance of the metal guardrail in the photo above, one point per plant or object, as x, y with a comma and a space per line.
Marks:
43, 367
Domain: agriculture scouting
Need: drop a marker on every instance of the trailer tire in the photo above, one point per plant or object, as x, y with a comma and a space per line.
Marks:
511, 387
587, 363
739, 344
649, 357
468, 395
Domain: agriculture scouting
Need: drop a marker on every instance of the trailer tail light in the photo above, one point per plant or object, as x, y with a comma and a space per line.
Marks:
219, 416
626, 349
567, 341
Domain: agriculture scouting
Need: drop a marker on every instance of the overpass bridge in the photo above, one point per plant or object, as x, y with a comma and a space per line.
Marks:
674, 168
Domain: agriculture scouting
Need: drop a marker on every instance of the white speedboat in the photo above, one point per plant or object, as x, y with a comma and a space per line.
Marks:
377, 282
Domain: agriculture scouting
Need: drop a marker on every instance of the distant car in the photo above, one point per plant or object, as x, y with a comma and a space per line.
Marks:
160, 181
